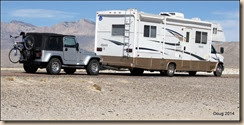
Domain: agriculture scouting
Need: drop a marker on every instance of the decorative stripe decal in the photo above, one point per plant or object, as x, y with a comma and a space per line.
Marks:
116, 42
215, 58
194, 55
167, 43
172, 44
142, 48
174, 32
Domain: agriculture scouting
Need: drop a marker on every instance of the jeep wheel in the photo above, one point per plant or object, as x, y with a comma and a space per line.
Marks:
54, 66
136, 71
29, 68
171, 70
93, 67
219, 70
69, 70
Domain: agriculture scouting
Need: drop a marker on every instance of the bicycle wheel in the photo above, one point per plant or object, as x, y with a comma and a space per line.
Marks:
29, 42
14, 55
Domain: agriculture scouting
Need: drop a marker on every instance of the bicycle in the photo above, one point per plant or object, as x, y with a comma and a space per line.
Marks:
15, 53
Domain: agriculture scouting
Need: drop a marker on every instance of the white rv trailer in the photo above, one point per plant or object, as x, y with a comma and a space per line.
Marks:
166, 42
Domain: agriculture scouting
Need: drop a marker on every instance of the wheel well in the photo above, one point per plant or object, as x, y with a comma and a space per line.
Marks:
171, 63
98, 59
58, 57
221, 63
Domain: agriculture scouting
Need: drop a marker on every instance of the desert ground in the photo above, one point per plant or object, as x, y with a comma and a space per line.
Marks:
116, 95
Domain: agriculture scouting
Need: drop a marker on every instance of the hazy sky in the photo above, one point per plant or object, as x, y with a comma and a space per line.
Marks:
47, 13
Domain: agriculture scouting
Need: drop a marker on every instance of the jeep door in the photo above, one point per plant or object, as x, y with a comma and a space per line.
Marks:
70, 51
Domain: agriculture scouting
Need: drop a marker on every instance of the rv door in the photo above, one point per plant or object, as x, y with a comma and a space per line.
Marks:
186, 48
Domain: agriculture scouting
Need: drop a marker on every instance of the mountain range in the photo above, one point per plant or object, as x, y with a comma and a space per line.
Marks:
83, 29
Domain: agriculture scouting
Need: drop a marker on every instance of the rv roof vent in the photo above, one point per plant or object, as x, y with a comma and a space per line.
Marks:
197, 19
172, 14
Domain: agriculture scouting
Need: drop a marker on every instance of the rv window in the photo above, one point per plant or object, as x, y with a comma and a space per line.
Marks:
146, 30
150, 31
214, 30
118, 30
187, 36
153, 31
198, 37
204, 37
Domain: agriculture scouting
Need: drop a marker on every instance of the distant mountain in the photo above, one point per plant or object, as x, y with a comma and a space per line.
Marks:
231, 53
83, 29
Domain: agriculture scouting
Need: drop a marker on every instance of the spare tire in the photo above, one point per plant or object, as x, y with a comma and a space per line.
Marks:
29, 42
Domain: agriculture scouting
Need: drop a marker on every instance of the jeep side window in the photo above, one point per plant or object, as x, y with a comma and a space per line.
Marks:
69, 42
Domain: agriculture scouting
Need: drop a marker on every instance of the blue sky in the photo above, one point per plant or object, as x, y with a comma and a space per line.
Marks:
47, 13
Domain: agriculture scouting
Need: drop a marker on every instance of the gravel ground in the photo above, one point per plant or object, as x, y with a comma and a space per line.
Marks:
118, 96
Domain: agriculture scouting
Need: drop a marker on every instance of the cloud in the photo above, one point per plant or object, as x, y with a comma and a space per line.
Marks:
227, 14
41, 13
229, 20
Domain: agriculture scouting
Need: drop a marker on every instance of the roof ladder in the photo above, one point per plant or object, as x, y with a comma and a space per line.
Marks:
126, 40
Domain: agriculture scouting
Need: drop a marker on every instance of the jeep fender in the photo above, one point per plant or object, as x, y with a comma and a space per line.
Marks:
88, 58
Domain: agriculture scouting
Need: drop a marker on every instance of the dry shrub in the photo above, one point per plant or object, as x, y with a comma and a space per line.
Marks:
97, 87
43, 80
10, 78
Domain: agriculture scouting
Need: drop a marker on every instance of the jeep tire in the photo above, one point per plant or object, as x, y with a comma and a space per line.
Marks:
69, 70
93, 67
29, 68
54, 66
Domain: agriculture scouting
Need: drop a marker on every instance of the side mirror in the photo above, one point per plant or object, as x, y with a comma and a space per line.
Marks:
77, 46
221, 50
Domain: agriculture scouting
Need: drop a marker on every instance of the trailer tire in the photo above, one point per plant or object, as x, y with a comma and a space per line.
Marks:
54, 66
69, 70
192, 73
30, 68
93, 67
171, 70
218, 71
136, 71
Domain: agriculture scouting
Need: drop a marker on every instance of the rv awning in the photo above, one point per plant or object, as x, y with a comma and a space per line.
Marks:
151, 18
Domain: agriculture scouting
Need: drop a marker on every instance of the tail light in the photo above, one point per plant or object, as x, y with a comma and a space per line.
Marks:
39, 54
99, 49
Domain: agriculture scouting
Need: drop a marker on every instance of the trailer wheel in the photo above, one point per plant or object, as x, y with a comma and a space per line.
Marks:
54, 66
136, 71
30, 68
93, 67
171, 70
69, 70
219, 70
192, 73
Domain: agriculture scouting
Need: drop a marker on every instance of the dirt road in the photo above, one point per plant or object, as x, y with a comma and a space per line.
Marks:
118, 96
